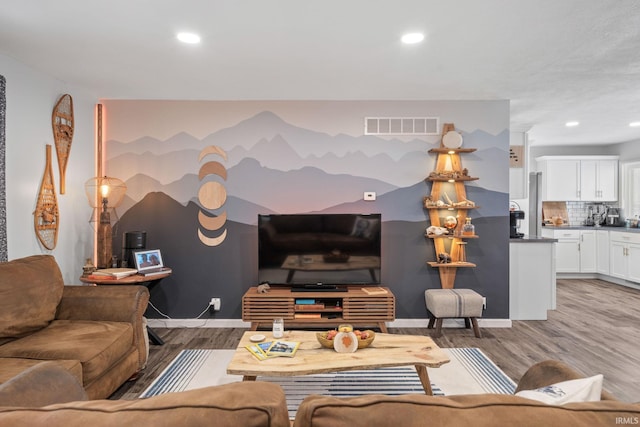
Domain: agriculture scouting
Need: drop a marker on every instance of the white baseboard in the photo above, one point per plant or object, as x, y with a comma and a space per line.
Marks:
198, 323
237, 323
607, 278
449, 323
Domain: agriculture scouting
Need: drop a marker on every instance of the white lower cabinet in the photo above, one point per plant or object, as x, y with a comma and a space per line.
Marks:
624, 255
575, 250
610, 253
588, 252
602, 252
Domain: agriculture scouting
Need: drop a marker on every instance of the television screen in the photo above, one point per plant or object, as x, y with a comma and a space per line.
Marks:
311, 249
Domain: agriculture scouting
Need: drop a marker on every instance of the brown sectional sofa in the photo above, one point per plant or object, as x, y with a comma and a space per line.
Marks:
94, 332
263, 404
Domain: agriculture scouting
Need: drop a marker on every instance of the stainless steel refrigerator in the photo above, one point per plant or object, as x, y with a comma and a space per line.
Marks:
535, 204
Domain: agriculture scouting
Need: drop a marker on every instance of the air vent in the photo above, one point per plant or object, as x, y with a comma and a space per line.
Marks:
401, 125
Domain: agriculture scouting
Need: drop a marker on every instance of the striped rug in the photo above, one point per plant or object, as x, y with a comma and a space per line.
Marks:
469, 372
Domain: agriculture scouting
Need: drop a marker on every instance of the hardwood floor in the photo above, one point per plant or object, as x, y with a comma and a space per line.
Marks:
595, 329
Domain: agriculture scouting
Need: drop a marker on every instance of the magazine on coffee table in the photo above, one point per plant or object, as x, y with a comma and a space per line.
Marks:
283, 348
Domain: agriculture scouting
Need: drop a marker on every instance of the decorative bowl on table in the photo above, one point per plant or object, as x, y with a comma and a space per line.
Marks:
326, 338
336, 256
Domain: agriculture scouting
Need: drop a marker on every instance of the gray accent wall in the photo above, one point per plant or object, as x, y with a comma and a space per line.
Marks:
300, 157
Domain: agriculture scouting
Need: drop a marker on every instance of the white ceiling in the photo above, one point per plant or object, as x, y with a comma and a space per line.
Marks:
556, 60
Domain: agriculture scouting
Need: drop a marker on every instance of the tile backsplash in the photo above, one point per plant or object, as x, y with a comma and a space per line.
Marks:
578, 211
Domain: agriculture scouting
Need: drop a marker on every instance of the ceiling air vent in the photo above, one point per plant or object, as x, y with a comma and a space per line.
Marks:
401, 125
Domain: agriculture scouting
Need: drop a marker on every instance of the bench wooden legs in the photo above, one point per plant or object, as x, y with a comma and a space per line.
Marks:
476, 329
468, 323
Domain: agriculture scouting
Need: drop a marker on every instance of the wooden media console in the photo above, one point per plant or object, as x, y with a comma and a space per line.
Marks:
320, 308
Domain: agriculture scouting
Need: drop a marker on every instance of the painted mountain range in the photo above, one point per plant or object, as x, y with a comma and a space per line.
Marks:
277, 167
281, 146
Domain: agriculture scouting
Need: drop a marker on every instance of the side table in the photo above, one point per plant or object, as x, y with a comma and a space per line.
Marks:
135, 279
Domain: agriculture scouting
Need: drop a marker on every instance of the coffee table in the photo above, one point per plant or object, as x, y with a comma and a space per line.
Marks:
387, 350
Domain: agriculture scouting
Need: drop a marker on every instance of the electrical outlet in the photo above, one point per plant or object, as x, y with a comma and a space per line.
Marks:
369, 196
215, 303
484, 303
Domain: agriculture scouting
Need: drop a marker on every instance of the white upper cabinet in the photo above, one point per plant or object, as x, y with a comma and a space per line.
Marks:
560, 179
607, 180
579, 178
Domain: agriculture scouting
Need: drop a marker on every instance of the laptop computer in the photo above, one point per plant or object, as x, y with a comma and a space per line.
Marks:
149, 262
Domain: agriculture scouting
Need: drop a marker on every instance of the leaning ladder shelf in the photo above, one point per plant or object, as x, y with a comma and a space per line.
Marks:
449, 161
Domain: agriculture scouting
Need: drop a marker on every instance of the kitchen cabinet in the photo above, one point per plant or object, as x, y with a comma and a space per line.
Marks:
599, 180
560, 179
579, 178
602, 252
625, 255
575, 250
587, 250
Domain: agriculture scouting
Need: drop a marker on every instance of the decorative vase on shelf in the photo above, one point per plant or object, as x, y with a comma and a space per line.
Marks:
450, 222
468, 229
345, 340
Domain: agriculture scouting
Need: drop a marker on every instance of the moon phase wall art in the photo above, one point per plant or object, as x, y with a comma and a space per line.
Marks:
212, 196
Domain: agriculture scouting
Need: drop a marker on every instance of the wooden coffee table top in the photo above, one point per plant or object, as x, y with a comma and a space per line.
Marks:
387, 350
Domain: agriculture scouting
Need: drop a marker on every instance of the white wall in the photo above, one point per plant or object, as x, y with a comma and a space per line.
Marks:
629, 151
30, 98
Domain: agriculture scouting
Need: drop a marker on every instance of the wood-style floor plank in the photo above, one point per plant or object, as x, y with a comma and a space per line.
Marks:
595, 329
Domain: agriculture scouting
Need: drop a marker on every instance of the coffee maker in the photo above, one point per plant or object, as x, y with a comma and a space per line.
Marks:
514, 223
613, 218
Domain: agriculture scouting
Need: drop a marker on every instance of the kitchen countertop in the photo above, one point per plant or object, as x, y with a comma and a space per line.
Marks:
591, 227
532, 239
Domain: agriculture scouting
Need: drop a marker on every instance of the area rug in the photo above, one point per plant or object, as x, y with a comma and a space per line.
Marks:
469, 372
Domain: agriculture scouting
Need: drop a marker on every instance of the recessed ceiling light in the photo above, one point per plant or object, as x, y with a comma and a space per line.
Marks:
571, 124
190, 38
634, 124
412, 38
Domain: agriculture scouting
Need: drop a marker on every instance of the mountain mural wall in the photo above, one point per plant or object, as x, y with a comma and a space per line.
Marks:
274, 166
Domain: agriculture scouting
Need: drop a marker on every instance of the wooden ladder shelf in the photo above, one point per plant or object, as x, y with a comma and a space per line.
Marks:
449, 172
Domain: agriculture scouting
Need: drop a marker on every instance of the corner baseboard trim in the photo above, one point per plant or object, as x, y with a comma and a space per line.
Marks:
197, 323
449, 323
237, 323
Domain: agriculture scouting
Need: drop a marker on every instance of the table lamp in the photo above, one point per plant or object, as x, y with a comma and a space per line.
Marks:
104, 195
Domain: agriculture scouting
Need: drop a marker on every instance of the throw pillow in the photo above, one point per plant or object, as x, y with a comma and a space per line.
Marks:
580, 390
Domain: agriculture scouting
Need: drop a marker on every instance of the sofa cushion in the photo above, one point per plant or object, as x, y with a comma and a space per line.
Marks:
43, 384
579, 390
30, 291
482, 410
12, 366
247, 404
97, 345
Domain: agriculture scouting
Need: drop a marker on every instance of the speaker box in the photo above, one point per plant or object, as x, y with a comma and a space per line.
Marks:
132, 241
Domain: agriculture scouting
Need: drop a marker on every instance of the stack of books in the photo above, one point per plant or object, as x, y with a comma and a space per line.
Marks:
116, 273
268, 349
308, 304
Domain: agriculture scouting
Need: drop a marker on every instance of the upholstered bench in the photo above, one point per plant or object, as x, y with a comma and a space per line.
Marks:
453, 303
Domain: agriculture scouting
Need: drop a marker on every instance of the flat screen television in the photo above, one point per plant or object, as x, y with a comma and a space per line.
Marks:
300, 250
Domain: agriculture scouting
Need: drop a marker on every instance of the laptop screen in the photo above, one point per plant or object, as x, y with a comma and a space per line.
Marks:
148, 260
